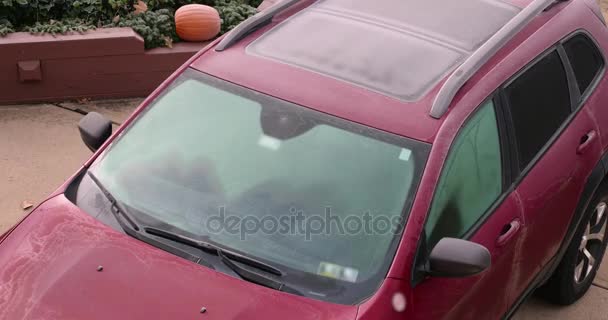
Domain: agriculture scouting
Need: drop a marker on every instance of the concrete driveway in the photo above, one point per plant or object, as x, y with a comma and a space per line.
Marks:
40, 147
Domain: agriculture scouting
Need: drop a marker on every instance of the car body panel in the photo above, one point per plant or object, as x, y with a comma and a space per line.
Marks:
512, 58
550, 193
340, 98
385, 304
57, 248
596, 102
445, 298
320, 92
552, 189
50, 272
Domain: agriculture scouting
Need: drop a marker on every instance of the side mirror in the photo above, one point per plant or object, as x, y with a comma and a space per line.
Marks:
94, 129
456, 258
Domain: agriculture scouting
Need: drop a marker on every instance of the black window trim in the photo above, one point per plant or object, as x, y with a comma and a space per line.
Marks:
584, 96
577, 101
512, 174
520, 173
574, 92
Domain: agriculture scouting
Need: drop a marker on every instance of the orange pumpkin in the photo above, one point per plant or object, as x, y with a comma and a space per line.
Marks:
197, 22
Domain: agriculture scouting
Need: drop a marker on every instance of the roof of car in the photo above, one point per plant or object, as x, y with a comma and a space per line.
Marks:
375, 62
399, 48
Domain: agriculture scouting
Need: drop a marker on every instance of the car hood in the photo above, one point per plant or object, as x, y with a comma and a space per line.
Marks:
49, 270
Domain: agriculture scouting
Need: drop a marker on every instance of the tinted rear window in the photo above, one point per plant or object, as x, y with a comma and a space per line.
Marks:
585, 59
539, 102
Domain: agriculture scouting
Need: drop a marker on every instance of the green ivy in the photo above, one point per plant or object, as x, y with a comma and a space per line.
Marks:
6, 27
233, 13
255, 3
156, 25
60, 27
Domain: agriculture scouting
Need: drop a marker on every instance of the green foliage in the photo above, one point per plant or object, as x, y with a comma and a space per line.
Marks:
156, 25
6, 27
176, 3
233, 12
61, 26
255, 3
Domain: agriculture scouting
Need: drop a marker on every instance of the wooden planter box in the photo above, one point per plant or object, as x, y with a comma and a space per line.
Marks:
104, 63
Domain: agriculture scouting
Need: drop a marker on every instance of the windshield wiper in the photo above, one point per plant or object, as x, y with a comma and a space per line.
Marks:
118, 207
225, 256
212, 248
250, 275
133, 229
228, 258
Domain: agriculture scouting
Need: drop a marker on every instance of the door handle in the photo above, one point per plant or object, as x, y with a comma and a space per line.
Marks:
508, 232
586, 141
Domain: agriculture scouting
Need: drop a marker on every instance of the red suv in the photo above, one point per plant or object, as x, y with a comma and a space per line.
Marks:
340, 159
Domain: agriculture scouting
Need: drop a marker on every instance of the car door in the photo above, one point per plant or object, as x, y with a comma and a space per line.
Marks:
472, 201
555, 147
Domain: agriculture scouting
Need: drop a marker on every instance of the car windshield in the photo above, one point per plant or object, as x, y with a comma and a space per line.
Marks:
318, 196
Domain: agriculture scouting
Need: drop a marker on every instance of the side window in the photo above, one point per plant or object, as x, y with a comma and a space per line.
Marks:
471, 179
585, 58
539, 102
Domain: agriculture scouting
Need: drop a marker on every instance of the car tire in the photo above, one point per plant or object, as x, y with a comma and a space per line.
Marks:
578, 267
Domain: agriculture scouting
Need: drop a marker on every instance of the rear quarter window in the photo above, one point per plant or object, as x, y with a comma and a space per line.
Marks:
586, 60
539, 102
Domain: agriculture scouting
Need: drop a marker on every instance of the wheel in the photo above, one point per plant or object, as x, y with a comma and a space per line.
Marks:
578, 267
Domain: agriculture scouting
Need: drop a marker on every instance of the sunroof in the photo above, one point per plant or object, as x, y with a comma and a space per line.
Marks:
400, 48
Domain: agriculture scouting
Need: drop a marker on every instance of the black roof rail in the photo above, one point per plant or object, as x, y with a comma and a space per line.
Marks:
251, 24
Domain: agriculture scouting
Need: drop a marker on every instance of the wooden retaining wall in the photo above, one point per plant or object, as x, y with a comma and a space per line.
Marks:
103, 63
